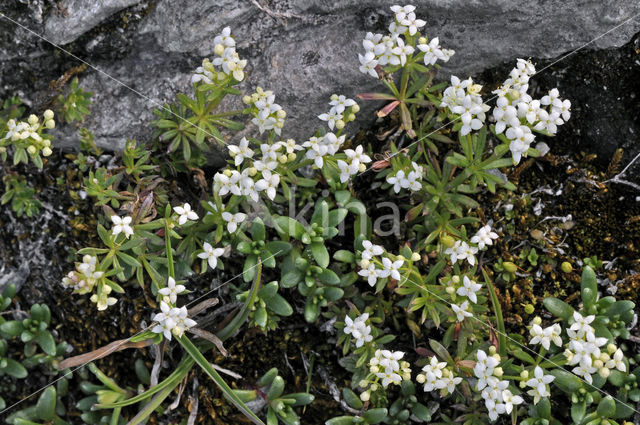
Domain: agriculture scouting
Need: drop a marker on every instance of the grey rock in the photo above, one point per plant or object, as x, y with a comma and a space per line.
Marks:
15, 277
303, 50
75, 17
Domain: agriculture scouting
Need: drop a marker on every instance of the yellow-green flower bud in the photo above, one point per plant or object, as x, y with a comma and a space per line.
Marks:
498, 372
421, 378
351, 117
253, 171
374, 387
218, 49
422, 40
598, 364
365, 396
281, 114
362, 167
246, 100
415, 256
529, 308
50, 124
364, 263
605, 357
32, 119
611, 348
339, 124
32, 149
355, 108
374, 369
48, 114
363, 383
46, 151
282, 159
227, 173
509, 267
524, 374
447, 241
604, 372
566, 267
334, 97
291, 157
450, 290
537, 320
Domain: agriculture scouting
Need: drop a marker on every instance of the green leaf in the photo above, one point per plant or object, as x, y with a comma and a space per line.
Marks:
213, 374
333, 293
320, 254
276, 388
337, 216
260, 317
589, 287
340, 420
440, 351
268, 377
46, 342
46, 406
578, 410
279, 306
520, 354
289, 226
311, 310
616, 378
607, 407
291, 279
12, 327
351, 398
567, 382
15, 369
421, 412
257, 230
301, 399
620, 307
375, 416
558, 308
278, 248
344, 256
543, 408
329, 277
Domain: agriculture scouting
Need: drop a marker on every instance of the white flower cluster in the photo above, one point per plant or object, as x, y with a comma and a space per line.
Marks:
539, 384
338, 115
319, 147
436, 375
545, 336
391, 49
498, 399
369, 261
387, 365
518, 113
463, 98
28, 131
172, 320
407, 179
584, 350
463, 251
211, 254
85, 278
268, 115
226, 58
358, 329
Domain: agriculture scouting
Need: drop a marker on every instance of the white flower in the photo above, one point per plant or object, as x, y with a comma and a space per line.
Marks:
357, 156
166, 320
469, 289
359, 329
182, 321
412, 23
433, 52
539, 383
172, 290
185, 213
448, 383
224, 184
225, 38
368, 64
370, 250
291, 146
585, 371
268, 183
484, 368
401, 51
332, 117
402, 11
121, 224
616, 361
371, 273
233, 220
461, 311
462, 251
553, 332
346, 170
484, 236
103, 300
539, 337
581, 324
211, 254
391, 268
241, 151
398, 181
341, 103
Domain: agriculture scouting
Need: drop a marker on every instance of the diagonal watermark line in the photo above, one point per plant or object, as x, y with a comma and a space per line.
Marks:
535, 353
115, 347
533, 75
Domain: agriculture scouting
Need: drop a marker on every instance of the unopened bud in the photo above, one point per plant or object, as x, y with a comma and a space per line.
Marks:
334, 97
605, 357
364, 263
218, 49
365, 396
604, 372
291, 157
492, 350
48, 114
253, 171
537, 320
498, 372
246, 99
422, 40
509, 267
351, 117
524, 374
32, 119
497, 357
363, 383
46, 151
281, 114
282, 159
32, 149
529, 309
374, 387
450, 290
362, 167
355, 108
447, 241
566, 267
415, 257
611, 348
598, 364
227, 173
421, 378
339, 124
374, 369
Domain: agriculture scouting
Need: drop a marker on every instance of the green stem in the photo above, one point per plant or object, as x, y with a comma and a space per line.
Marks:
167, 241
502, 335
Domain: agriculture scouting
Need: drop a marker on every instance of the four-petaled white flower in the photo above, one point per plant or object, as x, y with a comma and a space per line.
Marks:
340, 103
359, 329
185, 213
268, 183
172, 290
233, 220
121, 225
617, 362
241, 152
483, 237
211, 254
371, 273
461, 311
390, 268
469, 289
539, 383
370, 250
